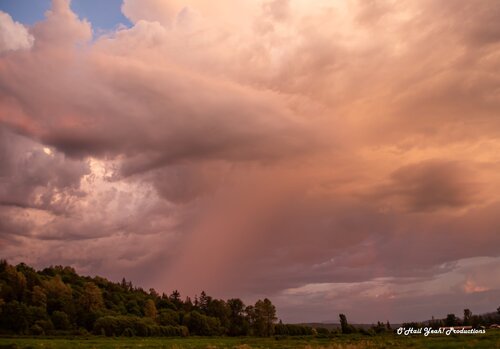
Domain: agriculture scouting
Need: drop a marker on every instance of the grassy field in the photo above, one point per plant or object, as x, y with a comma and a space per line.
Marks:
490, 340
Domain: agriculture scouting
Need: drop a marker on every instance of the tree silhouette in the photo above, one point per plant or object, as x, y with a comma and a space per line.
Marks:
344, 325
467, 317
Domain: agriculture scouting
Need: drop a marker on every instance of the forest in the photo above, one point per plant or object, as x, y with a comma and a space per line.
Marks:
58, 301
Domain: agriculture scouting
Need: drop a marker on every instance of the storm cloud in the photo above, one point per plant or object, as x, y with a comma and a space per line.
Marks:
342, 154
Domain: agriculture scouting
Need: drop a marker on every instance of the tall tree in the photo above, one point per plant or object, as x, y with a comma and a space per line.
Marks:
467, 317
150, 309
91, 298
188, 304
59, 295
264, 317
451, 320
237, 322
175, 298
204, 301
38, 297
15, 287
218, 308
344, 325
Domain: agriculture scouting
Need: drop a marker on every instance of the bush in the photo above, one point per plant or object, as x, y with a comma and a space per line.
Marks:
61, 320
46, 325
203, 325
168, 317
37, 330
128, 332
322, 332
135, 326
369, 332
293, 330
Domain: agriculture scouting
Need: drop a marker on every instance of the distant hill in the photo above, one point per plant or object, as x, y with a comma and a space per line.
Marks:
329, 326
469, 319
334, 326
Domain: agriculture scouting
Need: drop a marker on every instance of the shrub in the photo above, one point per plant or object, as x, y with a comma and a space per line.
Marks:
203, 325
61, 320
135, 326
37, 330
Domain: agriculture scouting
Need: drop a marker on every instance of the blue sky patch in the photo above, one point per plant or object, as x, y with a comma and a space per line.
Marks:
104, 15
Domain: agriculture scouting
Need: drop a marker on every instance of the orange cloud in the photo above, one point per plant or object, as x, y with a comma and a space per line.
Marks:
471, 287
290, 142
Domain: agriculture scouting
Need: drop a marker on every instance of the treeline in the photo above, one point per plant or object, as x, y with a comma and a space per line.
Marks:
451, 320
57, 300
468, 319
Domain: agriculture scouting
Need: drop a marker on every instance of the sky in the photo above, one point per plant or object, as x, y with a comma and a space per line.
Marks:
104, 15
333, 156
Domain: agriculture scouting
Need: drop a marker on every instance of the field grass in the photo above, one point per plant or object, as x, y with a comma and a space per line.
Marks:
490, 340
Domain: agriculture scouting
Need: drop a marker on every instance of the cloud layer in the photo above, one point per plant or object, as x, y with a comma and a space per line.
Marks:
343, 155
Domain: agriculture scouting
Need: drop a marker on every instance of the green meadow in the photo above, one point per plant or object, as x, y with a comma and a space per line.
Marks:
490, 340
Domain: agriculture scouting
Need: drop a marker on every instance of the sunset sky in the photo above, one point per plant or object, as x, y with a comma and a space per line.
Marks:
333, 156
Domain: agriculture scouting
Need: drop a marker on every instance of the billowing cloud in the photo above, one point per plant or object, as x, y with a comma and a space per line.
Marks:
13, 35
34, 176
345, 152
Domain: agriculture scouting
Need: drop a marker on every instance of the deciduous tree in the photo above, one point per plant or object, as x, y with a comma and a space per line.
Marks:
91, 298
150, 309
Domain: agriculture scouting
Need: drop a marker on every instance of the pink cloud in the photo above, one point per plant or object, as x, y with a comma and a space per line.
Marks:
248, 148
471, 287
